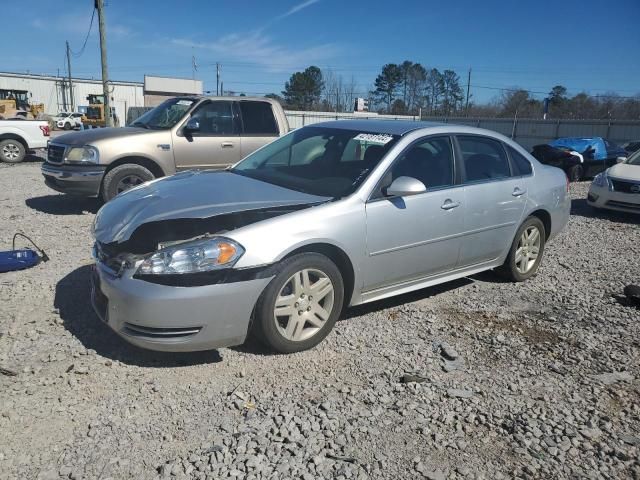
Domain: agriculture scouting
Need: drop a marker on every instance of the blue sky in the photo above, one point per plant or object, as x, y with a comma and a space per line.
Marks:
590, 45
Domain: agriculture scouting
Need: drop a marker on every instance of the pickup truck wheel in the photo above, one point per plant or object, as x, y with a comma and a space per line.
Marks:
299, 307
11, 151
67, 126
122, 178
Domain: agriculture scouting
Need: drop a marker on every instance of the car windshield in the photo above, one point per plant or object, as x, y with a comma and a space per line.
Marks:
165, 115
634, 159
328, 162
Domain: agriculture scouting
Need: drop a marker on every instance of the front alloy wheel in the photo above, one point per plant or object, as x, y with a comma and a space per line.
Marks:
299, 307
303, 305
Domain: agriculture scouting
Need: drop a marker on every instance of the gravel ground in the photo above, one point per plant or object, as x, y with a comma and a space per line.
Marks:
473, 379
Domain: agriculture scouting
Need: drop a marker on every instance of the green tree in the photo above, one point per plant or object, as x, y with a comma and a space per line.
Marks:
303, 90
451, 92
387, 84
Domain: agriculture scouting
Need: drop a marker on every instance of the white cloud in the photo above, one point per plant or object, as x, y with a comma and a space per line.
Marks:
297, 8
256, 47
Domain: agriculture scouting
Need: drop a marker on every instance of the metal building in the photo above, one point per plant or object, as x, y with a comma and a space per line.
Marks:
53, 91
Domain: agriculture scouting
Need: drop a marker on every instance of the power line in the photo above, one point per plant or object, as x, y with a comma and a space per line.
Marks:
86, 38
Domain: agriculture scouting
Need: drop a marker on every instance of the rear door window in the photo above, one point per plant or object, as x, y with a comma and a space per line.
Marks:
520, 165
258, 118
484, 158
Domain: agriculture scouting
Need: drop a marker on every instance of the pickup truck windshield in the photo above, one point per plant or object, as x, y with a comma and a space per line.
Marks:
329, 162
165, 115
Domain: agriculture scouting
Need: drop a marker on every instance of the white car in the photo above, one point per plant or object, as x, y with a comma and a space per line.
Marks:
18, 137
618, 187
68, 120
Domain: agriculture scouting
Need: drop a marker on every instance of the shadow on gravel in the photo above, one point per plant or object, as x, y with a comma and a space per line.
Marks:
72, 300
63, 204
581, 208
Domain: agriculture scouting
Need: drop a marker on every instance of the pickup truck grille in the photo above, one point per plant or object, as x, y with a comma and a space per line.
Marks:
626, 187
55, 154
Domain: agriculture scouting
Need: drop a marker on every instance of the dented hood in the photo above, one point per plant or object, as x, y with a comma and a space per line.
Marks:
192, 194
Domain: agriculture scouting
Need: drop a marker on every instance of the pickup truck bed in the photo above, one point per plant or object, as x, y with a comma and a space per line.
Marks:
17, 137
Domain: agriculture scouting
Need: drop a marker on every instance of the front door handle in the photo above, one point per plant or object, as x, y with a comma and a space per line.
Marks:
226, 144
449, 204
518, 192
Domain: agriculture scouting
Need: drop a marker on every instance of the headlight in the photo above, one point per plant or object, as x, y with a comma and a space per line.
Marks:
82, 155
602, 180
201, 255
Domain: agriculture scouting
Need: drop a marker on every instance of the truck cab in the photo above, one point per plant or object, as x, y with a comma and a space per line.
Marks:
190, 132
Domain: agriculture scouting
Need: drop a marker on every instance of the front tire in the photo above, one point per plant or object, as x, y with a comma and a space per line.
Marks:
526, 251
11, 151
300, 305
122, 178
67, 126
575, 173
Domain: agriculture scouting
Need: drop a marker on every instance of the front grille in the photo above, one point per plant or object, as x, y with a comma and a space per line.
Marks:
157, 332
625, 187
629, 206
55, 154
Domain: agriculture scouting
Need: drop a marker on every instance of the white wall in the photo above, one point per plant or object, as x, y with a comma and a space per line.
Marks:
48, 90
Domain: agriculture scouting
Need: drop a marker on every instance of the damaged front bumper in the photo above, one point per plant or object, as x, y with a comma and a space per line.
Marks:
175, 319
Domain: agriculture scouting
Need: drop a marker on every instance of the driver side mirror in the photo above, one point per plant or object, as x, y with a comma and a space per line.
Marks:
193, 125
621, 159
404, 187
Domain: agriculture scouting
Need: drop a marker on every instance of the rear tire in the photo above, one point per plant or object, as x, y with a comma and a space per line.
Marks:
287, 318
526, 251
123, 178
12, 151
575, 173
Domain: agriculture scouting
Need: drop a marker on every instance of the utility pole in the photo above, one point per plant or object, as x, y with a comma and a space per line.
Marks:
468, 88
221, 89
217, 79
99, 5
71, 102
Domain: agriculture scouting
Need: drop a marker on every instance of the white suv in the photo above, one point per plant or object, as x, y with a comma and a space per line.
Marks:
68, 120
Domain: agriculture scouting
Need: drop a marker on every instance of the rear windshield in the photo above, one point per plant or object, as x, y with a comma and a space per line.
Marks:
329, 162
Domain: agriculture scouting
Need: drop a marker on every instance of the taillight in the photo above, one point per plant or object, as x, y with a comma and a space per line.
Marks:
45, 130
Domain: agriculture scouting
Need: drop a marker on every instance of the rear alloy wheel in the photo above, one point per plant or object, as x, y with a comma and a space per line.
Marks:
123, 178
11, 151
299, 307
526, 251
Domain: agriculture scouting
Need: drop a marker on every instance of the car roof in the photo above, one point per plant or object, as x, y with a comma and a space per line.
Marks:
391, 127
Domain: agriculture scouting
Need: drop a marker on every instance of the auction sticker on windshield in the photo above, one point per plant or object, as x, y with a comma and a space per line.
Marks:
379, 138
184, 102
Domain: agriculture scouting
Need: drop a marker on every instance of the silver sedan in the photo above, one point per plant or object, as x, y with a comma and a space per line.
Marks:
330, 215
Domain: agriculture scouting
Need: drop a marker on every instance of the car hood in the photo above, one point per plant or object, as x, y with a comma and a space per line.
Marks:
88, 137
192, 194
625, 171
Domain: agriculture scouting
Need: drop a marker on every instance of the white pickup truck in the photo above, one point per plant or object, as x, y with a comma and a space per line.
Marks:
17, 137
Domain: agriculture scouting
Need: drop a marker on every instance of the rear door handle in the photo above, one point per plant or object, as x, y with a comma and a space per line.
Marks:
449, 204
518, 192
226, 144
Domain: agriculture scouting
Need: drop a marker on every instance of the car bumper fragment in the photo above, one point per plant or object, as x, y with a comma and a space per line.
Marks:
76, 180
168, 318
602, 197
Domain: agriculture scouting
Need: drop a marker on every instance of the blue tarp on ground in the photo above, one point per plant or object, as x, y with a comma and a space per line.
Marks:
580, 144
